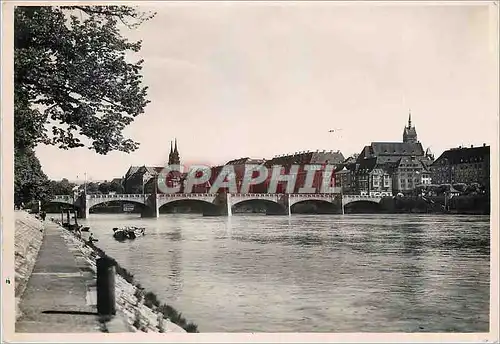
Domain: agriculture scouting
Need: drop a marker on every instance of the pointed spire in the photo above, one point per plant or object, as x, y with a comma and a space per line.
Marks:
409, 118
171, 150
175, 149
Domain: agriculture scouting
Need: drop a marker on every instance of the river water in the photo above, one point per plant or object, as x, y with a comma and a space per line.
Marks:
327, 273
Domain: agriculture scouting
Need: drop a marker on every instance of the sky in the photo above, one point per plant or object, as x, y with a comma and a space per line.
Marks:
232, 80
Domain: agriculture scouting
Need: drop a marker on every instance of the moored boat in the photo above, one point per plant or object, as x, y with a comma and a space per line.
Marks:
128, 232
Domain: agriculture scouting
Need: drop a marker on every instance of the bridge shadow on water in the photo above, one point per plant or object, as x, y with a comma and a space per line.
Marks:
258, 206
363, 207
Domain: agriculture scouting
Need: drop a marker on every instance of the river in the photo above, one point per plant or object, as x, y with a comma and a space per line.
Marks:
327, 273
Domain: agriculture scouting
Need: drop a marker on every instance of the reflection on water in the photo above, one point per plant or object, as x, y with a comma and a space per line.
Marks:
328, 273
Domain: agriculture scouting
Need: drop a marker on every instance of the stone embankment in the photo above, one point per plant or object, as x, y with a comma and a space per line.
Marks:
136, 313
28, 237
133, 305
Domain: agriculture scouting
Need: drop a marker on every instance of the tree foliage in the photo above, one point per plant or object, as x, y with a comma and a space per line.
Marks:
63, 187
112, 186
92, 187
74, 85
30, 183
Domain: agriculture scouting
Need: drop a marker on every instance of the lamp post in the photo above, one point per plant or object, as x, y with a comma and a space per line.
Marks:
143, 183
156, 184
342, 200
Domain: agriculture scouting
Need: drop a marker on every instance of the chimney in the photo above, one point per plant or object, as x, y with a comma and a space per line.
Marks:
484, 144
471, 146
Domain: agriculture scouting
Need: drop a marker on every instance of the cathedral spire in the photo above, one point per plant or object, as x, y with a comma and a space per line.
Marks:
409, 132
173, 157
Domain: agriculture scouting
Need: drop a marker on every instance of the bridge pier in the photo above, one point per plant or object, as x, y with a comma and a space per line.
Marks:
222, 206
83, 212
81, 204
285, 209
151, 208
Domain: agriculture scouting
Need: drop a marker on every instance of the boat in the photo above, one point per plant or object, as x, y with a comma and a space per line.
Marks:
128, 232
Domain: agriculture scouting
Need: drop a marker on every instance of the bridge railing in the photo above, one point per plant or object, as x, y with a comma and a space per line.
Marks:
118, 196
257, 195
307, 195
362, 196
189, 195
58, 197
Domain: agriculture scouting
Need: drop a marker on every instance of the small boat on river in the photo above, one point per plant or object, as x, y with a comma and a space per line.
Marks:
128, 232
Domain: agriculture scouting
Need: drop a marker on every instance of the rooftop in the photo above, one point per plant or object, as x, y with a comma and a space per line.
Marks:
464, 155
308, 157
396, 148
246, 161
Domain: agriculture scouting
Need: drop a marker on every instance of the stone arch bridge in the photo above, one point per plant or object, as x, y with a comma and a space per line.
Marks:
216, 204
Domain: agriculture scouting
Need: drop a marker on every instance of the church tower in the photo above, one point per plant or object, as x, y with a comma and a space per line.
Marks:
173, 157
410, 133
171, 152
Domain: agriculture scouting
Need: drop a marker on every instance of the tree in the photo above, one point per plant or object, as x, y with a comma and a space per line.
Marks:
30, 183
71, 75
104, 187
114, 186
92, 188
74, 85
63, 187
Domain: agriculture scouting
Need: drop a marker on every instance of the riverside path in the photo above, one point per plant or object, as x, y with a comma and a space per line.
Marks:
55, 298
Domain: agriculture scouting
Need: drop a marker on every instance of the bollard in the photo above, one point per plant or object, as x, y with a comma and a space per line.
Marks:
105, 286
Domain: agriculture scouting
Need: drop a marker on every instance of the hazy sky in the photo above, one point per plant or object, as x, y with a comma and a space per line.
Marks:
231, 80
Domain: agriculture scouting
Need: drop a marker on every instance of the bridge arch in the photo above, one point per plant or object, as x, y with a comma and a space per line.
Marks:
361, 200
347, 199
55, 205
362, 206
314, 206
63, 199
93, 200
257, 205
114, 202
191, 204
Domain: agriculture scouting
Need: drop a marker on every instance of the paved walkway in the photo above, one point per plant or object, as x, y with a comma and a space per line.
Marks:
55, 299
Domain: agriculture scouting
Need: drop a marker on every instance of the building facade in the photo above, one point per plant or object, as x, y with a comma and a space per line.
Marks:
463, 165
410, 173
392, 167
